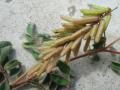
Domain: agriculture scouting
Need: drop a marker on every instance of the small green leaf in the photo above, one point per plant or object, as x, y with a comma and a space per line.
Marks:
29, 38
11, 64
5, 86
15, 71
63, 67
5, 52
59, 80
115, 67
4, 44
45, 37
29, 45
31, 29
35, 54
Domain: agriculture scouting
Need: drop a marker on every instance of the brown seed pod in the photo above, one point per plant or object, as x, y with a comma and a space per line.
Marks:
67, 56
87, 44
100, 31
66, 49
76, 46
80, 32
34, 69
76, 43
71, 27
86, 20
52, 64
42, 68
62, 41
57, 51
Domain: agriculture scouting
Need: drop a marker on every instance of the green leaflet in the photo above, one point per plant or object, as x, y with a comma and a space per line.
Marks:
59, 80
44, 36
11, 64
115, 67
29, 38
63, 67
5, 52
15, 71
34, 39
29, 45
35, 54
31, 29
5, 86
4, 44
48, 43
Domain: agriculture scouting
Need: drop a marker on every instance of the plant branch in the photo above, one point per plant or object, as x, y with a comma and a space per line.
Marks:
98, 50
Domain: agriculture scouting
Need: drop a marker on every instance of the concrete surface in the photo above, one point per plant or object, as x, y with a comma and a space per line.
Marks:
15, 14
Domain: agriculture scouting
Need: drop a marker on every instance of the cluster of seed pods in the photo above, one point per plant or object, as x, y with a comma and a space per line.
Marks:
68, 39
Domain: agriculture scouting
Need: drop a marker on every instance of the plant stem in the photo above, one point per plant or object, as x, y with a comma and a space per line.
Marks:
98, 50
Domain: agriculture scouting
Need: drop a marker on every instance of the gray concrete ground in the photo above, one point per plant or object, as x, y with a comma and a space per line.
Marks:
15, 14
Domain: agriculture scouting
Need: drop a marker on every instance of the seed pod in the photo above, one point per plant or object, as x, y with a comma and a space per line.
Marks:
66, 49
107, 19
94, 31
76, 43
34, 69
43, 68
59, 30
62, 34
62, 41
87, 35
68, 18
52, 64
67, 56
76, 46
46, 52
80, 32
93, 11
71, 27
87, 44
106, 9
57, 51
86, 20
100, 31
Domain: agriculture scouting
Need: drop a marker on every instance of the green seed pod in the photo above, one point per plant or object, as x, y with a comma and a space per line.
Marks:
100, 31
87, 44
94, 31
107, 19
93, 11
107, 9
87, 35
